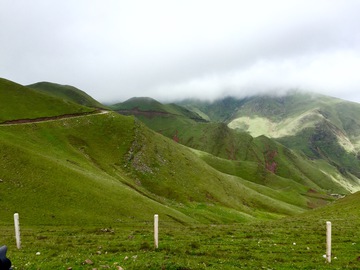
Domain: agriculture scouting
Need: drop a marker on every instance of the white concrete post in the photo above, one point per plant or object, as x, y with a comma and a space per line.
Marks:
328, 241
156, 231
17, 230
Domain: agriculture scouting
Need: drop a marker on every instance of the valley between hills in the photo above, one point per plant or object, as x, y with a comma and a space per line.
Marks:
240, 177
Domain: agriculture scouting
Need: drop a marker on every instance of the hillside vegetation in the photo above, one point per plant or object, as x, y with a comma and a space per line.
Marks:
290, 243
265, 156
69, 171
104, 167
145, 106
66, 92
19, 102
320, 127
87, 186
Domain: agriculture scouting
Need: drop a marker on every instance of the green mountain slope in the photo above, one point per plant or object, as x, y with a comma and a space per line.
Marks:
262, 156
148, 107
141, 104
61, 172
91, 171
321, 127
66, 92
220, 110
19, 102
105, 167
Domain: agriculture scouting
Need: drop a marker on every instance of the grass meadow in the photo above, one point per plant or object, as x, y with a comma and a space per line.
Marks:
86, 189
289, 243
52, 238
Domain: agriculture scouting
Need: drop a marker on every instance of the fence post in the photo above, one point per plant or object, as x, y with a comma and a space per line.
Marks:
156, 231
17, 230
328, 241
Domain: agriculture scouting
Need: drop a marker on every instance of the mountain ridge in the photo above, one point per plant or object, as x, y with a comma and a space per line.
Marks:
66, 92
296, 104
19, 102
89, 186
108, 160
317, 125
204, 164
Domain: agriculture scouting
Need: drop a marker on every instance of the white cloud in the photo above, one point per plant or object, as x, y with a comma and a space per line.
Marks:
327, 73
174, 49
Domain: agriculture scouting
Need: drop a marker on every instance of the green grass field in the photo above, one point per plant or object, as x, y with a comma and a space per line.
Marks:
101, 219
87, 187
290, 243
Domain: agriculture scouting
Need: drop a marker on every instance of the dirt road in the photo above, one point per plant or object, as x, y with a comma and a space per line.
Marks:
51, 118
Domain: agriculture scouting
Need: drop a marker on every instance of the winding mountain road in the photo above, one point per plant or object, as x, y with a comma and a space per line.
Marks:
51, 118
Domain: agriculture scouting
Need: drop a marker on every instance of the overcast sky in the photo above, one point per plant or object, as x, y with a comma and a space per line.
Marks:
167, 49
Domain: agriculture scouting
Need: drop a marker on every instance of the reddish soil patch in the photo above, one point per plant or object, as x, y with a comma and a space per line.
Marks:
270, 163
148, 114
176, 136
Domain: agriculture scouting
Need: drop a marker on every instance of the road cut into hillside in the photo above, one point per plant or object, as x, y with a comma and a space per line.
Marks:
52, 118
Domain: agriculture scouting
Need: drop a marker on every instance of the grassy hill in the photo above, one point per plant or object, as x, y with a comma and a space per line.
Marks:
87, 187
141, 104
19, 102
61, 172
321, 127
66, 92
220, 110
105, 167
148, 107
264, 155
